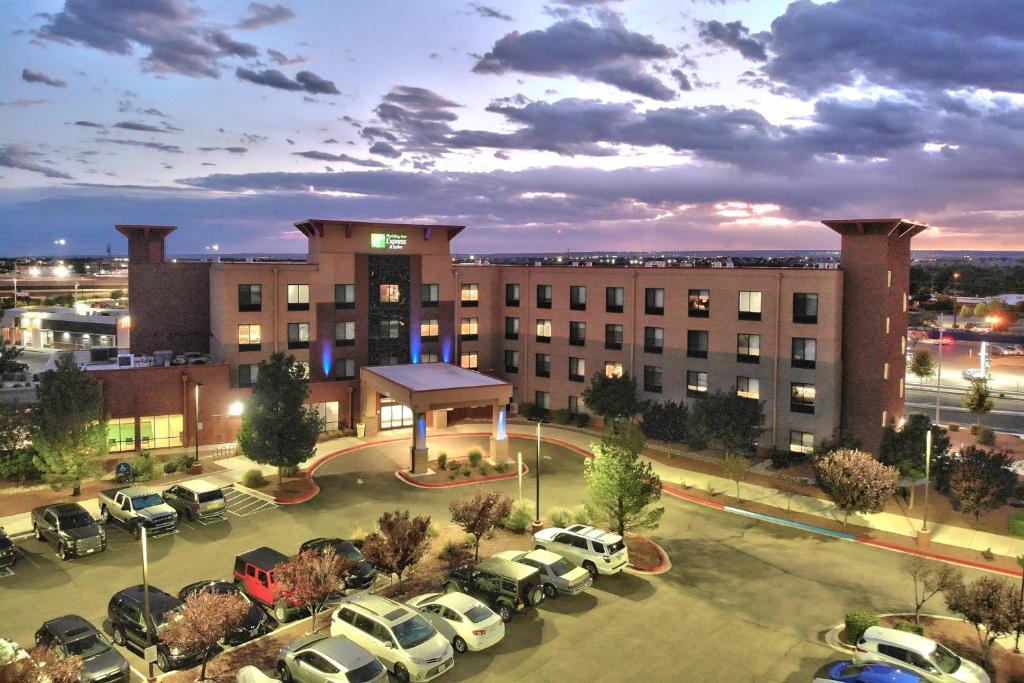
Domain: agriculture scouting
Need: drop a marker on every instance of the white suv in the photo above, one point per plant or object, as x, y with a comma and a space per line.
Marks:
398, 635
597, 551
923, 656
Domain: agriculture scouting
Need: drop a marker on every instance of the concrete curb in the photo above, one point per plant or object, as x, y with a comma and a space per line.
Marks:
832, 635
663, 565
254, 493
405, 478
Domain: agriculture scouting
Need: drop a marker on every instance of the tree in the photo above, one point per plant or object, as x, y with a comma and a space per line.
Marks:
613, 398
479, 514
904, 449
9, 354
204, 620
922, 364
930, 578
855, 481
16, 450
623, 487
978, 399
733, 421
401, 542
277, 429
979, 310
987, 604
68, 431
665, 421
311, 578
966, 311
42, 665
736, 468
981, 480
117, 294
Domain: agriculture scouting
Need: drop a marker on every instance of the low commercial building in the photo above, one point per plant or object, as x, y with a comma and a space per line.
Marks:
67, 328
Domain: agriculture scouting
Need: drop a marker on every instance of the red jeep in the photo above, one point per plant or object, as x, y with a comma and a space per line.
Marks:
254, 575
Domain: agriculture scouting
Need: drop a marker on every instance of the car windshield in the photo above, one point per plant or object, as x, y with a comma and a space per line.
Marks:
478, 613
413, 632
5, 543
88, 647
615, 547
76, 521
561, 567
367, 672
210, 496
146, 501
348, 551
944, 660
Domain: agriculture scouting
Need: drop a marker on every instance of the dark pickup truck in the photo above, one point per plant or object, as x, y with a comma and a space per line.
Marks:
69, 528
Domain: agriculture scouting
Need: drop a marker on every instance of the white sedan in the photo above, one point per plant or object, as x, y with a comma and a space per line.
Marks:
465, 621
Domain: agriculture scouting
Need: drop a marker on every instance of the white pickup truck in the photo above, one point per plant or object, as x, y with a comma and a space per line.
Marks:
134, 507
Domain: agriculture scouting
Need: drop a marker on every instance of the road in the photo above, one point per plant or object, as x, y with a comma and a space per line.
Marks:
1008, 415
1007, 371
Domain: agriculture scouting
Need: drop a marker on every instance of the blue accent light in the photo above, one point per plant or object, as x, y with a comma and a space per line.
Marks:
326, 360
446, 349
421, 429
501, 425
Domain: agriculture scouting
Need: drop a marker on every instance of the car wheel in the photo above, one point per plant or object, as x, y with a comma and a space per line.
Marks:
283, 673
550, 591
452, 587
401, 673
505, 611
161, 661
459, 644
592, 568
535, 596
539, 547
119, 636
37, 532
104, 515
136, 531
62, 552
281, 612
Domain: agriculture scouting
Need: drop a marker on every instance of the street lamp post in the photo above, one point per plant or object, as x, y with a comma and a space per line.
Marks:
956, 279
938, 378
537, 516
927, 476
147, 615
198, 384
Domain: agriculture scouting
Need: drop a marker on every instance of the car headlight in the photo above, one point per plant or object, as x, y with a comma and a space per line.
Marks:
175, 651
418, 660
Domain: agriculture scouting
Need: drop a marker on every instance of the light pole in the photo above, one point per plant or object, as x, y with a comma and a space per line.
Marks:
198, 384
147, 615
938, 378
927, 476
537, 516
956, 279
1020, 607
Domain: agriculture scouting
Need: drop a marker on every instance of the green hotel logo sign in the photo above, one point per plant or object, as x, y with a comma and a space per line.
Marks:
387, 240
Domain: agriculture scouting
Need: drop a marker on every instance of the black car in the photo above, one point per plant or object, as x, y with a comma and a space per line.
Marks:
504, 585
8, 553
256, 621
72, 635
130, 627
361, 575
69, 528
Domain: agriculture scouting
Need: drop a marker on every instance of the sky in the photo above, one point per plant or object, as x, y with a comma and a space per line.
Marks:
570, 125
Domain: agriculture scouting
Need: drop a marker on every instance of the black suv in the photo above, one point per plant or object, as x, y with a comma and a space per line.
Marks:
362, 573
69, 528
126, 612
256, 621
72, 635
504, 585
8, 553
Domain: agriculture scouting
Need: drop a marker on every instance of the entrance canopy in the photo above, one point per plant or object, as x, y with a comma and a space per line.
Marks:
435, 386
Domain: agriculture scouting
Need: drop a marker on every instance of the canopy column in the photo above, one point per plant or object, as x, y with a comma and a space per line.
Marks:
419, 443
499, 439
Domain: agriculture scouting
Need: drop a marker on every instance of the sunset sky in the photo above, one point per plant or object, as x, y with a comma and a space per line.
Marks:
572, 125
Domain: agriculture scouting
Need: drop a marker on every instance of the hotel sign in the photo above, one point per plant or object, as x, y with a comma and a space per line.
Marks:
388, 240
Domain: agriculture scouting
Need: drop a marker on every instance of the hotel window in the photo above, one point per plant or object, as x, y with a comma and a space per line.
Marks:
698, 303
247, 374
652, 379
298, 335
885, 371
543, 296
512, 328
511, 361
512, 295
903, 345
801, 398
902, 388
578, 298
429, 330
345, 333
654, 339
543, 330
298, 297
885, 418
469, 328
613, 336
344, 296
805, 308
577, 333
888, 278
697, 343
612, 369
696, 383
468, 360
750, 305
389, 329
574, 405
543, 399
801, 442
248, 337
542, 365
160, 431
888, 324
250, 298
748, 387
470, 295
344, 368
121, 434
654, 301
614, 298
429, 296
577, 370
805, 353
390, 294
748, 348
328, 414
430, 358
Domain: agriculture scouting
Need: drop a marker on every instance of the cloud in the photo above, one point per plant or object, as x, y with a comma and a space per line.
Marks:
383, 149
304, 81
142, 127
230, 46
30, 76
23, 104
261, 15
489, 12
736, 36
281, 59
89, 124
327, 156
19, 156
681, 80
158, 146
232, 150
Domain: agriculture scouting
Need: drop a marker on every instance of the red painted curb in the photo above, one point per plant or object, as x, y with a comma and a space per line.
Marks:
406, 478
663, 564
936, 556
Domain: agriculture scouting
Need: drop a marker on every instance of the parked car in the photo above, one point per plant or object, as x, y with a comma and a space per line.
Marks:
134, 507
560, 576
252, 674
599, 552
8, 551
256, 621
69, 528
505, 586
973, 374
922, 656
876, 672
325, 659
72, 635
467, 623
254, 575
197, 499
361, 575
399, 636
129, 625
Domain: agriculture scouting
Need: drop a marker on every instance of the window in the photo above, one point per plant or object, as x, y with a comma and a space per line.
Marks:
888, 278
750, 305
429, 329
345, 333
578, 298
160, 431
577, 333
298, 297
430, 358
344, 296
389, 329
805, 308
801, 398
121, 434
247, 373
574, 405
512, 294
805, 353
612, 369
652, 379
429, 295
748, 348
801, 442
885, 418
613, 336
512, 328
543, 365
613, 299
888, 324
511, 361
543, 296
468, 328
390, 294
470, 295
328, 412
250, 298
654, 301
344, 368
697, 343
543, 330
696, 383
885, 371
654, 339
577, 370
248, 337
543, 399
298, 335
748, 387
699, 303
468, 360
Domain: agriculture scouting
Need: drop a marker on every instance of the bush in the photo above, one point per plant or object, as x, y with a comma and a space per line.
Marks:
500, 468
442, 460
562, 416
560, 516
532, 411
581, 514
974, 430
466, 473
475, 456
18, 465
1015, 524
857, 623
289, 470
143, 466
581, 420
909, 627
450, 552
433, 531
170, 467
785, 458
254, 478
485, 470
665, 421
953, 426
519, 517
987, 436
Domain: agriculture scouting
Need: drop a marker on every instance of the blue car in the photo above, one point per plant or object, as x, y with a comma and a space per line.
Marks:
850, 672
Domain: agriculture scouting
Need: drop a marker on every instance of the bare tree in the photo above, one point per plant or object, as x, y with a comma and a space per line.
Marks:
401, 542
203, 622
855, 481
988, 604
479, 514
736, 468
930, 578
311, 578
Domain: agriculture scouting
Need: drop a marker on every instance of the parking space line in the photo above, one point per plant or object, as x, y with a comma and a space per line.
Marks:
5, 572
27, 558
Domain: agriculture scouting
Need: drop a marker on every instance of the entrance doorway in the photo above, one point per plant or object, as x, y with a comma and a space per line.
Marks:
394, 415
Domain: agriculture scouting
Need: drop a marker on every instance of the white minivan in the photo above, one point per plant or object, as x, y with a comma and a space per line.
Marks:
921, 655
